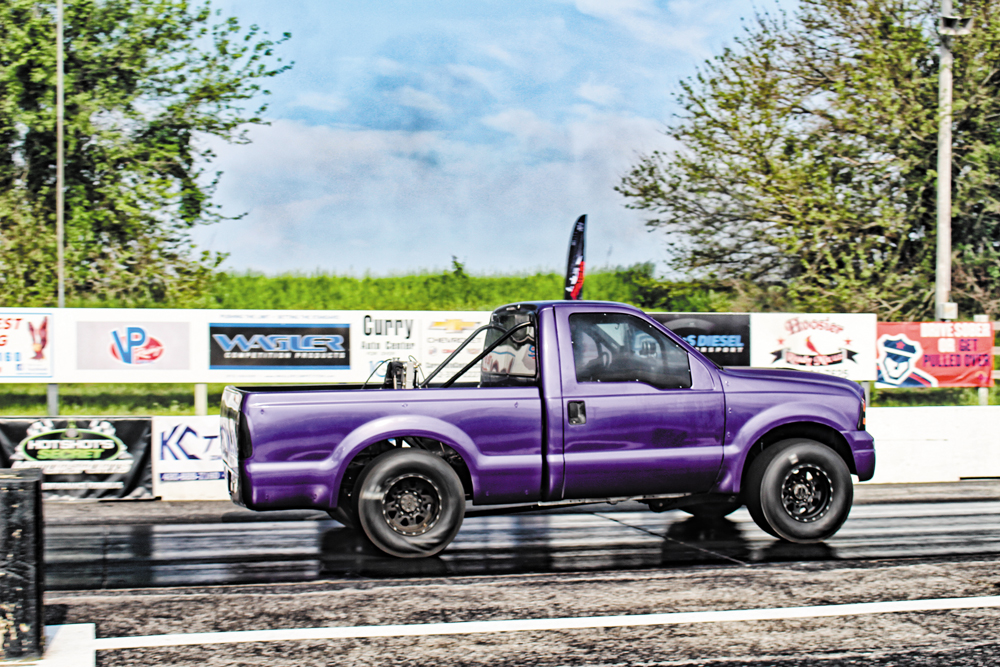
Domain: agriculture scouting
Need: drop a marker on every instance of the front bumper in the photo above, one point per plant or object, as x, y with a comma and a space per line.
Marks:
863, 448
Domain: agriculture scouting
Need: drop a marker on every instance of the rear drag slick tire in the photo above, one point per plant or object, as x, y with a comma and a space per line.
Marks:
410, 503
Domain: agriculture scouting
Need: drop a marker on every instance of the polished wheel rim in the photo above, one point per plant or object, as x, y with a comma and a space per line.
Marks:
806, 493
412, 505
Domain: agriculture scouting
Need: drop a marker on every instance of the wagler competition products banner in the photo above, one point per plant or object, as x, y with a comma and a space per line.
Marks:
87, 457
312, 346
935, 354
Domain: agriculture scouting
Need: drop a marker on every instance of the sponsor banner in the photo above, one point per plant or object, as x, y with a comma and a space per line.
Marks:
443, 333
134, 346
934, 354
26, 345
187, 459
99, 457
833, 344
722, 337
386, 335
276, 345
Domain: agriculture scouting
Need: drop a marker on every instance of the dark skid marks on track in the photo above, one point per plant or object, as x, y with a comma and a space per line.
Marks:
176, 554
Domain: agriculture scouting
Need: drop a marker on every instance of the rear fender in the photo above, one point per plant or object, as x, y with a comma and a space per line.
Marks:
396, 426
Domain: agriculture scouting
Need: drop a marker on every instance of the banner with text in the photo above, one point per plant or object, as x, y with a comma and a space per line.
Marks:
722, 337
935, 354
833, 344
84, 457
187, 459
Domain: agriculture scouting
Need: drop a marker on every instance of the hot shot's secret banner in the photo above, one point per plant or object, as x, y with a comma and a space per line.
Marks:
84, 457
935, 354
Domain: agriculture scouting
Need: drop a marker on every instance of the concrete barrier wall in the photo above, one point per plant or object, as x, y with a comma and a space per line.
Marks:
935, 444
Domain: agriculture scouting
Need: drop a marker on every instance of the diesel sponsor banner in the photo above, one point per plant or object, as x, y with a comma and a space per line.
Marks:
26, 345
135, 346
722, 337
99, 457
187, 459
934, 354
833, 344
270, 345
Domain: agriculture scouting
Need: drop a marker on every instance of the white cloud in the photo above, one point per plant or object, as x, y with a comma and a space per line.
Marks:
408, 96
365, 200
598, 93
320, 101
526, 127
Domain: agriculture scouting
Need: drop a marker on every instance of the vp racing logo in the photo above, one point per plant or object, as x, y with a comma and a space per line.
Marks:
897, 362
133, 346
93, 448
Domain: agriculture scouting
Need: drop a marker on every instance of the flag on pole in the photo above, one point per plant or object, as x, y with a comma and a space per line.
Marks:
574, 267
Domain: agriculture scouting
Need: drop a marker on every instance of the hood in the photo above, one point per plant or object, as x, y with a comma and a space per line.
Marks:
744, 379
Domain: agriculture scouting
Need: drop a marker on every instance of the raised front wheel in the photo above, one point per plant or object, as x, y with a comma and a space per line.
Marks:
410, 503
799, 490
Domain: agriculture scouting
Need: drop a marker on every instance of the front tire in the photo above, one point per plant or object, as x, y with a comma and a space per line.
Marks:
799, 490
410, 503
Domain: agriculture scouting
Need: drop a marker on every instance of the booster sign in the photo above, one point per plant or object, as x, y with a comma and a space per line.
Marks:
298, 346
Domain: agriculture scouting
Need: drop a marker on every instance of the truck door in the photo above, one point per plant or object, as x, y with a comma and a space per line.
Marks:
640, 416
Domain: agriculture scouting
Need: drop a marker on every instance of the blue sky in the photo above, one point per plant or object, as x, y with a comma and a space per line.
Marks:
410, 132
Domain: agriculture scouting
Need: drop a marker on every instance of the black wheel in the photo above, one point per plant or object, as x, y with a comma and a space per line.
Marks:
712, 509
799, 490
410, 503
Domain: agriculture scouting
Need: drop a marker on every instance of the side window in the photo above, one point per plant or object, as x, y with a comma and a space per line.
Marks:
610, 347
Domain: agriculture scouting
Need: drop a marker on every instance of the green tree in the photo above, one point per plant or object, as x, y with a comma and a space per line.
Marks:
805, 168
147, 83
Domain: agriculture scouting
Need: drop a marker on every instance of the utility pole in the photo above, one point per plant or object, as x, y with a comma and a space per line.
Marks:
52, 391
60, 158
944, 308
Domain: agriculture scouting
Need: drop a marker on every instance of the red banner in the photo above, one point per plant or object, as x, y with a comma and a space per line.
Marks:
935, 354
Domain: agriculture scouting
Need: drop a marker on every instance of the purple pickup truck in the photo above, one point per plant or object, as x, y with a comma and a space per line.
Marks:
569, 402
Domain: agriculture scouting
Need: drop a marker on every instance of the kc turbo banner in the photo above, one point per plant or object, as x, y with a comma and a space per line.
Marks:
935, 354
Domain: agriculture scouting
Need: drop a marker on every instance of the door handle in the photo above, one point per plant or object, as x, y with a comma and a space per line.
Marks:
577, 412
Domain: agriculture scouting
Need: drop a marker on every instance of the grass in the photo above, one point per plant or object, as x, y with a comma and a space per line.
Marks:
120, 399
29, 400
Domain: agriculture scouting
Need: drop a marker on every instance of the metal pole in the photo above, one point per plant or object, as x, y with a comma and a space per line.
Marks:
201, 399
60, 180
942, 269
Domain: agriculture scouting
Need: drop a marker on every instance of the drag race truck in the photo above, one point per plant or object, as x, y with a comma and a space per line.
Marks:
569, 402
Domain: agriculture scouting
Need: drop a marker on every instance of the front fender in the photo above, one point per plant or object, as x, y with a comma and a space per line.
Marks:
745, 428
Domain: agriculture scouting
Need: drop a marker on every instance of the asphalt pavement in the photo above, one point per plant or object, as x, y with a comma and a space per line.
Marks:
159, 568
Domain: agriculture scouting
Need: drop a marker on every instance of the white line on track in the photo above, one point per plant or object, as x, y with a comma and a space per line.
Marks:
540, 624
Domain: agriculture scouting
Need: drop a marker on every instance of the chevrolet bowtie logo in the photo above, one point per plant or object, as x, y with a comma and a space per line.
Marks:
453, 325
